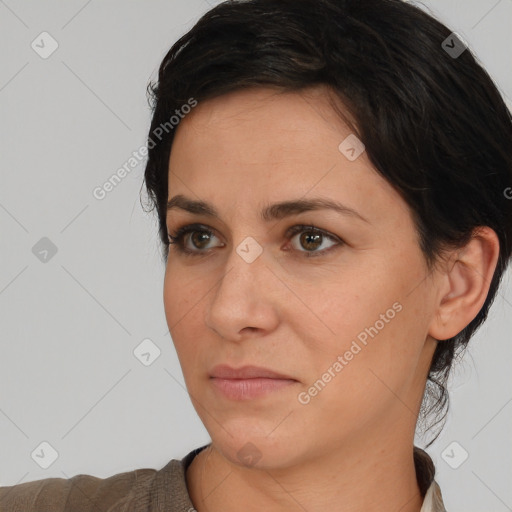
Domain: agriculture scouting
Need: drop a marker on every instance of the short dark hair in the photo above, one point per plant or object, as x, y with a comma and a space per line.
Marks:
433, 123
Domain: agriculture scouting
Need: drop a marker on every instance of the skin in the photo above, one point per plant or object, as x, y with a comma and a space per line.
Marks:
350, 448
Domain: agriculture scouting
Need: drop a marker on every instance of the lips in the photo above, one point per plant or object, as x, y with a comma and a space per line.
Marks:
248, 382
224, 371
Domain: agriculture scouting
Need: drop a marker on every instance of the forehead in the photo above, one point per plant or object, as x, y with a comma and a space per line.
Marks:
265, 110
258, 129
263, 145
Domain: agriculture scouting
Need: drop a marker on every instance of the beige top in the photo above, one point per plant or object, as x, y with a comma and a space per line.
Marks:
150, 490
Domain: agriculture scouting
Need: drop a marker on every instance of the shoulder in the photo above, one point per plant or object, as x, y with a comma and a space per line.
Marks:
141, 490
82, 493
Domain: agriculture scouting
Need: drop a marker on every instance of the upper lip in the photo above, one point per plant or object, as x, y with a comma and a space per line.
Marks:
223, 371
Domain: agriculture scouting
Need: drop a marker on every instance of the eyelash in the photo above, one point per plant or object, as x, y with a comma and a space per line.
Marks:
177, 239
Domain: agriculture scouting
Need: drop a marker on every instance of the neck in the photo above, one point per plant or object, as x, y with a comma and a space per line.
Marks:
374, 477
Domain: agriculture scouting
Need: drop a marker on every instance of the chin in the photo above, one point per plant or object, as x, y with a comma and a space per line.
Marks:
255, 448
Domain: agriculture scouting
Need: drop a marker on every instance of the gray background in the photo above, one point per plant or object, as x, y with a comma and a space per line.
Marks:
70, 324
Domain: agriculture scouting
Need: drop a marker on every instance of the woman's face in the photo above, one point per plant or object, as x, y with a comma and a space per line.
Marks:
343, 312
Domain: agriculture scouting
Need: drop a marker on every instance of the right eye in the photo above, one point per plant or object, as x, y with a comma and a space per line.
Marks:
197, 234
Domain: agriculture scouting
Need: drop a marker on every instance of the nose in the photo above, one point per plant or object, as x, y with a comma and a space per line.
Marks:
244, 299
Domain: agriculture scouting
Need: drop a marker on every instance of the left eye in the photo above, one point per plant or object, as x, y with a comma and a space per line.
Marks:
311, 238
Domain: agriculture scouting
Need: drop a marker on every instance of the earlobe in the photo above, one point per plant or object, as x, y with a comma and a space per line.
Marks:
466, 283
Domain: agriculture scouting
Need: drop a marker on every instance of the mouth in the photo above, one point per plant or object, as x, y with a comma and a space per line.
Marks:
223, 371
248, 382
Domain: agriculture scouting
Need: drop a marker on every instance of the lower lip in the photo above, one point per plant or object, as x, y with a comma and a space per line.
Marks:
246, 389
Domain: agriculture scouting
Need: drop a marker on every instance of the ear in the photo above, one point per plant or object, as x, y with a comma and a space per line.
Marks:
465, 283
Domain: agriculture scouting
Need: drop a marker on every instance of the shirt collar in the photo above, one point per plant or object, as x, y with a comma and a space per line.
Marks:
425, 471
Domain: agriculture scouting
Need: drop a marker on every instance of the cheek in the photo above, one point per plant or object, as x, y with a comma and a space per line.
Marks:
351, 303
373, 322
180, 295
358, 382
182, 304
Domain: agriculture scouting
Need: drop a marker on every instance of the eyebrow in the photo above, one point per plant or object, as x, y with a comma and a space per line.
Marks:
272, 212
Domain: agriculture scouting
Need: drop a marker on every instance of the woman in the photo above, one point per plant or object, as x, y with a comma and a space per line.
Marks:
335, 224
